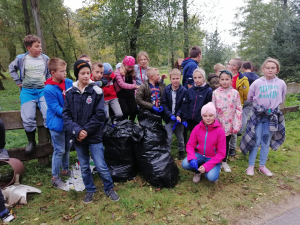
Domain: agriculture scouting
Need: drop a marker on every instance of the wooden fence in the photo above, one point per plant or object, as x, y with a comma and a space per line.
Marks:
12, 121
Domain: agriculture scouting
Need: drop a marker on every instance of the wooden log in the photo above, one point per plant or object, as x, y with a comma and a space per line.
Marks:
293, 88
290, 109
41, 150
12, 119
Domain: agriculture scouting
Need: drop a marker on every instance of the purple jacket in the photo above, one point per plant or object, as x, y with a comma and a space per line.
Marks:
120, 83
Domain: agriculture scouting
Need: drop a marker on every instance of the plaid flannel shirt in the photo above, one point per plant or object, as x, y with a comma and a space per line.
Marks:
276, 124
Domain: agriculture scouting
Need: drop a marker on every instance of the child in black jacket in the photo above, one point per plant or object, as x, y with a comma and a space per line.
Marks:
84, 118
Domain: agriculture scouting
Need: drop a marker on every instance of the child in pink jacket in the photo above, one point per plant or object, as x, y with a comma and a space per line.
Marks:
206, 147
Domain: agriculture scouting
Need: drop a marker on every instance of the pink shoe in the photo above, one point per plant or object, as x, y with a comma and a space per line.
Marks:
250, 171
265, 170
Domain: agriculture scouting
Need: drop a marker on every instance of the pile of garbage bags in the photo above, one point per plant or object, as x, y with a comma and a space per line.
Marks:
132, 148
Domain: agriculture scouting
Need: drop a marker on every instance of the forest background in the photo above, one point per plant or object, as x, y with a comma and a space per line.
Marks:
107, 30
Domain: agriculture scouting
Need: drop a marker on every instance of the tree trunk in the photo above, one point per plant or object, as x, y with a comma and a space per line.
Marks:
26, 17
1, 85
284, 4
185, 30
136, 26
37, 21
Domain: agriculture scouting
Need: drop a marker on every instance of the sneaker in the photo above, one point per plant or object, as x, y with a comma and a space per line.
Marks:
250, 171
88, 197
7, 217
181, 155
3, 154
58, 183
197, 177
68, 174
113, 195
226, 167
265, 170
231, 152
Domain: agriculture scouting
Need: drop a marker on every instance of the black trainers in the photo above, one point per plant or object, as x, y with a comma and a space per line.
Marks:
7, 217
3, 154
113, 195
231, 152
181, 155
88, 197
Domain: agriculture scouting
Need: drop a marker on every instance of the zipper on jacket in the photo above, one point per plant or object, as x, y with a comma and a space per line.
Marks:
195, 104
205, 140
215, 150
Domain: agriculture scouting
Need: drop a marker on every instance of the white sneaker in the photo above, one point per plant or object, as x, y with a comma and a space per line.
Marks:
226, 167
7, 217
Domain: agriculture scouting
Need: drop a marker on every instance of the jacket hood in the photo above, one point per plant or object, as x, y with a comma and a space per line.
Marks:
188, 60
211, 126
202, 87
264, 79
251, 75
51, 82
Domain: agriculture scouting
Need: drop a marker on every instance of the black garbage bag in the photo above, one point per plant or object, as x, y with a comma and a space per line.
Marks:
152, 153
119, 140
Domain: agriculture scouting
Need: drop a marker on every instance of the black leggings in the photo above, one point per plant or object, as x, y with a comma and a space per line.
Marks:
2, 135
2, 202
227, 147
128, 106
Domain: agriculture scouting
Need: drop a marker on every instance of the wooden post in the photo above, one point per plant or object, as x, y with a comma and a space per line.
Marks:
43, 138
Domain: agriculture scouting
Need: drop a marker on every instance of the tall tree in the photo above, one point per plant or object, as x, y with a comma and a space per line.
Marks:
185, 29
26, 17
38, 23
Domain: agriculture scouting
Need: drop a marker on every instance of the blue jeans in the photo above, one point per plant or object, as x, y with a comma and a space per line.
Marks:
263, 137
212, 175
97, 152
61, 153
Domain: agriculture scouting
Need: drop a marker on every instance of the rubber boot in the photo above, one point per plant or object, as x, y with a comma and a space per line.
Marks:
31, 142
231, 152
181, 155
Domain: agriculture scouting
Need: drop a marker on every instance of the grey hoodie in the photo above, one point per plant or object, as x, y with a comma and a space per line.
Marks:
269, 93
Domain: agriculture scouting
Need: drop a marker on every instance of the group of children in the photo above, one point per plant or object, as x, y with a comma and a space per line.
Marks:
75, 112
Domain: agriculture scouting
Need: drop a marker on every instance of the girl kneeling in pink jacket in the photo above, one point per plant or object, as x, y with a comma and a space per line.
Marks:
206, 147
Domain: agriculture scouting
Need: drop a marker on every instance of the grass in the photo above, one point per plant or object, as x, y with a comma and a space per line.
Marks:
233, 197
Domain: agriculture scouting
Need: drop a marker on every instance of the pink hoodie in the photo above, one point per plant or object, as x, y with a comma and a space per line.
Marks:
209, 141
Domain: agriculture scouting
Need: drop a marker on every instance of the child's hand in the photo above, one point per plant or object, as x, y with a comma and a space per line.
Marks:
19, 85
179, 119
201, 169
185, 124
137, 86
163, 76
82, 134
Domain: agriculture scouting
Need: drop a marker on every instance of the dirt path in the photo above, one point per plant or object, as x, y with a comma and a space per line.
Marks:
267, 211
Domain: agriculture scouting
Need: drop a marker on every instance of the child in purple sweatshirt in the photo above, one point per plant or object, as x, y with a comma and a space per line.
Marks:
266, 126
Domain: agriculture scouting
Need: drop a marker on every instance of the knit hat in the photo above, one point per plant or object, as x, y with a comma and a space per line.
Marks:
78, 65
107, 69
209, 108
190, 81
129, 61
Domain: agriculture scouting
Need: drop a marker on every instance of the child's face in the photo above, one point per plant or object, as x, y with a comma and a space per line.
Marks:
154, 76
225, 80
84, 76
35, 50
231, 66
175, 80
97, 73
60, 74
198, 79
88, 60
208, 118
129, 68
143, 61
270, 70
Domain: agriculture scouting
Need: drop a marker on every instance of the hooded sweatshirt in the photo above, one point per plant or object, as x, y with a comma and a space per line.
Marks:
268, 93
251, 77
209, 141
189, 65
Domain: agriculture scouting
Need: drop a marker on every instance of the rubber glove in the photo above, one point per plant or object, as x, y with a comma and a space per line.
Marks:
185, 124
174, 126
161, 109
155, 109
194, 164
173, 117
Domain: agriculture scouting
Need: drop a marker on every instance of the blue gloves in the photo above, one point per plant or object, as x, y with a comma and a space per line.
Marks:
173, 117
185, 124
194, 164
175, 124
157, 110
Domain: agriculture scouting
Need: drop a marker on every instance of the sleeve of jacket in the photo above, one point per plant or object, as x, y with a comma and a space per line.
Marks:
192, 144
71, 126
237, 120
122, 83
179, 112
185, 106
221, 153
104, 81
209, 96
13, 71
52, 102
96, 122
140, 96
245, 90
165, 100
